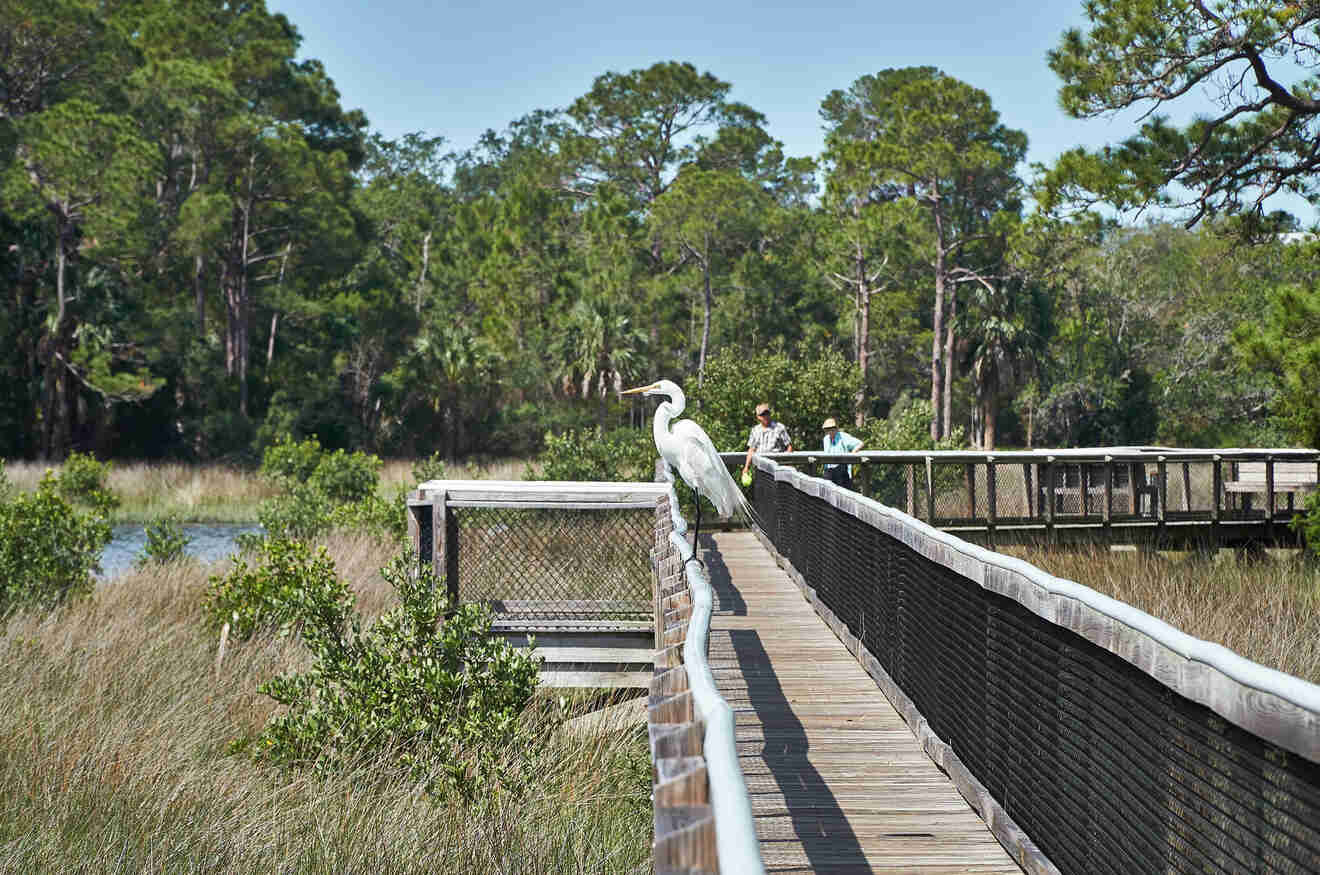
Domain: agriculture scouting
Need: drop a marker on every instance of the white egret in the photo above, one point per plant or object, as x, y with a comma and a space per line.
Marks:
689, 451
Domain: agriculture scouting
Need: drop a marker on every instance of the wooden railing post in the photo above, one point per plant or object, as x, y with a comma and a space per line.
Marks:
969, 474
1269, 497
930, 490
1187, 486
1048, 481
1109, 492
1161, 493
1217, 488
990, 495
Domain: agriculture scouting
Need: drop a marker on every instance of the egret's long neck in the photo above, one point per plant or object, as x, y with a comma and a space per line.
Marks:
665, 414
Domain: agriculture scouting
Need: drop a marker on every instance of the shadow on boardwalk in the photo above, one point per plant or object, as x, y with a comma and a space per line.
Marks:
728, 601
796, 813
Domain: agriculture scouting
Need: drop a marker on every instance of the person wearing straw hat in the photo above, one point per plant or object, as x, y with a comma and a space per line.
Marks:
838, 441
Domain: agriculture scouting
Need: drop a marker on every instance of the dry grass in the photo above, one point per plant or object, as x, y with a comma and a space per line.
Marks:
1267, 611
398, 472
217, 494
114, 757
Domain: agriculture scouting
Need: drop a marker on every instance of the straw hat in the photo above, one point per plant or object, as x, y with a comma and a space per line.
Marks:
829, 424
762, 408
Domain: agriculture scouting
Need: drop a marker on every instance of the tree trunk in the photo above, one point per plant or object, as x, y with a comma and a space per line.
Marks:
990, 409
421, 279
705, 321
56, 422
948, 363
863, 341
937, 326
199, 294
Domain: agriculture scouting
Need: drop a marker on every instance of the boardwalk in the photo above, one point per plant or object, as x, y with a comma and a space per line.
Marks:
838, 782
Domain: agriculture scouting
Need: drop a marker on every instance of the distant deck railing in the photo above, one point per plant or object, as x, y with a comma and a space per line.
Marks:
595, 559
1147, 495
1090, 736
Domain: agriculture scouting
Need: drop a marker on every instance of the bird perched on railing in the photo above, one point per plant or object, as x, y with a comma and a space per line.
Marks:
689, 451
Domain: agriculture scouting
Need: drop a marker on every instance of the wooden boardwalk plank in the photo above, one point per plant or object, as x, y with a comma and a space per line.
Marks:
837, 780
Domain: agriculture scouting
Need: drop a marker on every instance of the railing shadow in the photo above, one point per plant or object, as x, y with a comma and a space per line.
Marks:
728, 600
773, 751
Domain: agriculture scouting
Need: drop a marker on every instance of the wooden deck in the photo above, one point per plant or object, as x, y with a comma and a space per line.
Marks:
837, 780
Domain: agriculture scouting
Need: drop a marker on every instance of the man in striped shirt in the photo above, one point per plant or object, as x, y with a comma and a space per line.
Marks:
767, 436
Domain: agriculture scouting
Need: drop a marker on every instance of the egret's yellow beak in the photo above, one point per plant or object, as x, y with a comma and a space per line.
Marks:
639, 389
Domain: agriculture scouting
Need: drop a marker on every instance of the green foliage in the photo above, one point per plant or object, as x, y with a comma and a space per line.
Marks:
166, 542
344, 477
393, 297
383, 518
624, 454
1252, 60
49, 549
324, 491
907, 428
289, 585
1286, 346
802, 393
292, 462
431, 685
1308, 524
430, 468
82, 480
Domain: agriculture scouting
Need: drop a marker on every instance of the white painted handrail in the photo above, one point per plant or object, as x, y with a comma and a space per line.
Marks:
736, 845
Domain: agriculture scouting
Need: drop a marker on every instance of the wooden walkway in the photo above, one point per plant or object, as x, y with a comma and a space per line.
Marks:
837, 780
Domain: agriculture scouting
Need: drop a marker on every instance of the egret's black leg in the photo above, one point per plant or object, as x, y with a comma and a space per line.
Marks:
696, 533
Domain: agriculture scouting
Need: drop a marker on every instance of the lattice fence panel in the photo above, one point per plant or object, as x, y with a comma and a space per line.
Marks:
560, 564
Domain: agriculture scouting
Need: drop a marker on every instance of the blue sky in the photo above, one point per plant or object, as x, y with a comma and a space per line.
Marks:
456, 69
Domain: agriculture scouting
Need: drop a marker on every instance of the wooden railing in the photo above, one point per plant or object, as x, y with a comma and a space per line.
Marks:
703, 815
1078, 726
1149, 495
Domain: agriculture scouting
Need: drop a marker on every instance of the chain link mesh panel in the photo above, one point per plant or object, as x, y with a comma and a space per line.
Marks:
557, 564
1105, 768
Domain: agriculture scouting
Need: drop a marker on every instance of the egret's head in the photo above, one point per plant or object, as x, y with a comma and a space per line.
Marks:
659, 387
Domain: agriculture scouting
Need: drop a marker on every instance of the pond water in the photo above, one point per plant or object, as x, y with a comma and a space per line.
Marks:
207, 542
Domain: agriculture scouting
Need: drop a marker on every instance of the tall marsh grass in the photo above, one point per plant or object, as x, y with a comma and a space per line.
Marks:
1266, 610
115, 756
150, 491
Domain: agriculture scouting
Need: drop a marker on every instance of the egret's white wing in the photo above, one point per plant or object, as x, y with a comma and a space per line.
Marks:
702, 468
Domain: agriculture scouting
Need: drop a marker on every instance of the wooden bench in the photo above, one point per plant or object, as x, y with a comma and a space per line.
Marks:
1290, 478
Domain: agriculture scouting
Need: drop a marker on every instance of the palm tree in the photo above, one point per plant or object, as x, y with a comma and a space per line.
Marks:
1001, 344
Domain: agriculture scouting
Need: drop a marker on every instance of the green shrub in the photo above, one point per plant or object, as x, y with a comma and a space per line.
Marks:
432, 468
908, 428
49, 549
801, 393
300, 514
1308, 523
291, 462
323, 491
624, 454
5, 486
440, 692
343, 477
166, 542
383, 518
82, 481
288, 586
